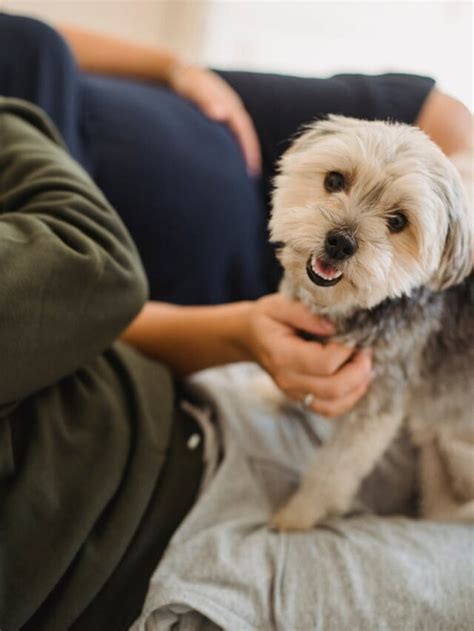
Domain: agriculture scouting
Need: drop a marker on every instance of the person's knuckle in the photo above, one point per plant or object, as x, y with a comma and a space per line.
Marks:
281, 379
334, 389
363, 390
276, 361
364, 362
331, 365
328, 410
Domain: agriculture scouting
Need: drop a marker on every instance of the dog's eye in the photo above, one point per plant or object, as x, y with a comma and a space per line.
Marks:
397, 222
334, 182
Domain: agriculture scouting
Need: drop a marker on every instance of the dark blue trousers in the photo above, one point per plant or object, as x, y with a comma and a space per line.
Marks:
177, 179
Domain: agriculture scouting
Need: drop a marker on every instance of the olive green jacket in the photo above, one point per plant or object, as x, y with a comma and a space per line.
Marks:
84, 422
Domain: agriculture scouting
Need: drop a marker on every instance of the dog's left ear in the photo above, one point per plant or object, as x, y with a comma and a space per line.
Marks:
457, 259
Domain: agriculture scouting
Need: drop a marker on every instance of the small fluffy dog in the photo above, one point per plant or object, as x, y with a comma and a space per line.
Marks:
376, 233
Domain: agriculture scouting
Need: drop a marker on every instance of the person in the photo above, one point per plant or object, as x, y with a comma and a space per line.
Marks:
96, 471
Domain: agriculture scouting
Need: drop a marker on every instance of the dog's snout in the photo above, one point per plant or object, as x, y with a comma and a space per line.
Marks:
340, 245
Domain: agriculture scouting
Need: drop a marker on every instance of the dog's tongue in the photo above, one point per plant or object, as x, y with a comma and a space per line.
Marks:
324, 269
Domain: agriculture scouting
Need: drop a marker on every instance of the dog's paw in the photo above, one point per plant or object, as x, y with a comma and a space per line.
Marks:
299, 514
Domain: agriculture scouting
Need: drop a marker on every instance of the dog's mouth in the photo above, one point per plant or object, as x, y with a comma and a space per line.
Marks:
321, 272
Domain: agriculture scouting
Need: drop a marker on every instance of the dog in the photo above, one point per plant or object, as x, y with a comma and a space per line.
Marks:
375, 232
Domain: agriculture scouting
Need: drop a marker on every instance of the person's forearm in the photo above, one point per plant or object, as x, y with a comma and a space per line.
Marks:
448, 122
450, 125
191, 338
106, 54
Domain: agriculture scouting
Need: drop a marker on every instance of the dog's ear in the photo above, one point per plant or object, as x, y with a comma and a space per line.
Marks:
309, 134
457, 259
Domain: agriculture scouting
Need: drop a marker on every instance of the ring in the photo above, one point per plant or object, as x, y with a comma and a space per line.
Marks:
308, 400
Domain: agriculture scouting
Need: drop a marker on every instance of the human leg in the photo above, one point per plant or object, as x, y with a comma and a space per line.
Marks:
36, 65
180, 184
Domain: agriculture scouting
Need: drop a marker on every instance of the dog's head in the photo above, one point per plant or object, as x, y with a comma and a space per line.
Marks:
368, 210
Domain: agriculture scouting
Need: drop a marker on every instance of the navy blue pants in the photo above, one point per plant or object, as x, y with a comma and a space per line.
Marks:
177, 179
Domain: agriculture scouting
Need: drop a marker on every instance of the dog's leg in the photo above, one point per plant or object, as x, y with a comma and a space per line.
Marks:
334, 477
437, 496
438, 499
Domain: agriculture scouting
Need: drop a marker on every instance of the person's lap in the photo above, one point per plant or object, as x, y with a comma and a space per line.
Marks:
224, 568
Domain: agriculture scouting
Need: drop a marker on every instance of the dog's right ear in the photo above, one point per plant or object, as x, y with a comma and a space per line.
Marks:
310, 134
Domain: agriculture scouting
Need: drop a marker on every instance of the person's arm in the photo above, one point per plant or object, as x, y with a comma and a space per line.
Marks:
448, 122
193, 338
104, 54
450, 125
71, 279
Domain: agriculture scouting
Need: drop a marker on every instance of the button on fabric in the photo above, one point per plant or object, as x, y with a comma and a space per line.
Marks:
194, 441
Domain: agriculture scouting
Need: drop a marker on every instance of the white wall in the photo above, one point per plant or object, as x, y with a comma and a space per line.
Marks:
321, 38
312, 38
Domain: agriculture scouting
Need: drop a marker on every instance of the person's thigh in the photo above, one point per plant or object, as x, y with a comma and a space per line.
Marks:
36, 65
180, 184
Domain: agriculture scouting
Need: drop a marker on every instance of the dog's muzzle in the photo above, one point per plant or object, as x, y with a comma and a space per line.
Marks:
321, 272
340, 245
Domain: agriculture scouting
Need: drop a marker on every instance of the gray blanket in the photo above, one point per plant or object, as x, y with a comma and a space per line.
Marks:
225, 569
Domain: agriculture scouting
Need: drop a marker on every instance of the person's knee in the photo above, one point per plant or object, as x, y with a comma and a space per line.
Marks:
31, 42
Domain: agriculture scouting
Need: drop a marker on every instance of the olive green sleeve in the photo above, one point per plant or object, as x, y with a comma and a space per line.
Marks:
70, 277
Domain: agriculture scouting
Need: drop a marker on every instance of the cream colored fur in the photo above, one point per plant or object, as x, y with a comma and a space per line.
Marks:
392, 297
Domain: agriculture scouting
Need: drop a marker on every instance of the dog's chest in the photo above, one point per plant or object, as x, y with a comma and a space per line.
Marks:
396, 330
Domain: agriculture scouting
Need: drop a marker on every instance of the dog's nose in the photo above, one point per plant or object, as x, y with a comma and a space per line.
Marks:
340, 245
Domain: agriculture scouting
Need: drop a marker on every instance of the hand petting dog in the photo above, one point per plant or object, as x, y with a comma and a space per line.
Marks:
330, 377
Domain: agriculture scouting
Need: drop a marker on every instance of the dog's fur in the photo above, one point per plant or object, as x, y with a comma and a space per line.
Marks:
409, 296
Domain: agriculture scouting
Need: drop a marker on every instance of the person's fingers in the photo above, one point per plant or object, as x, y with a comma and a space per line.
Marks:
333, 409
229, 110
331, 357
311, 358
243, 128
349, 378
295, 314
293, 358
219, 102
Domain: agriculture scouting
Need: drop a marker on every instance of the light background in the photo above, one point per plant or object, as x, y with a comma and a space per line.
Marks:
310, 38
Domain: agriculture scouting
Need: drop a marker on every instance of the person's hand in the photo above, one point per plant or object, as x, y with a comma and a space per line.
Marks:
220, 102
335, 375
